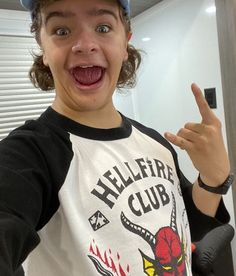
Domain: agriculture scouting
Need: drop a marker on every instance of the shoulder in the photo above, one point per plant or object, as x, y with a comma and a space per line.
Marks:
40, 131
154, 134
36, 142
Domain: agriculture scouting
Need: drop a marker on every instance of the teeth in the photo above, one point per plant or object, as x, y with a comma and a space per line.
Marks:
86, 66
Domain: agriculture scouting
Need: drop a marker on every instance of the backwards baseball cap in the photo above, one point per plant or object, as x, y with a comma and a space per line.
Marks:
29, 5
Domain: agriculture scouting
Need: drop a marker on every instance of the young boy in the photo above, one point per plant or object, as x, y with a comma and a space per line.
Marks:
85, 190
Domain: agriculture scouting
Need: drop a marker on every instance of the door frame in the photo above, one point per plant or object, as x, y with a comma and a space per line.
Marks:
226, 26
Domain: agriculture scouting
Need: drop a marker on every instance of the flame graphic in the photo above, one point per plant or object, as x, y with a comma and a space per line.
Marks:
109, 261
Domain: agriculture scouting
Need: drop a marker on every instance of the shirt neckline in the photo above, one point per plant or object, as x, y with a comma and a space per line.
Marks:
50, 116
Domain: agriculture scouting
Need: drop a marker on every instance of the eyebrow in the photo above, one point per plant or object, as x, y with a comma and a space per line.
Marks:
100, 12
58, 14
93, 12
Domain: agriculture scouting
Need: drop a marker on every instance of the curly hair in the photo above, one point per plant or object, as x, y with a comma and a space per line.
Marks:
41, 75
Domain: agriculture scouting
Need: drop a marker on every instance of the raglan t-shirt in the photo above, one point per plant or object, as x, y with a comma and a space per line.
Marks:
87, 201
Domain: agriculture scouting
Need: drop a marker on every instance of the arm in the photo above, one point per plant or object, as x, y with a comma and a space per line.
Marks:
205, 146
200, 223
34, 161
18, 219
22, 186
205, 201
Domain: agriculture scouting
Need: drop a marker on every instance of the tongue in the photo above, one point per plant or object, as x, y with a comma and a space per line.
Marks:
88, 76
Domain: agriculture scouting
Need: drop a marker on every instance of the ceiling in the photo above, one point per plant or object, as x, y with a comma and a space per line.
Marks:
137, 6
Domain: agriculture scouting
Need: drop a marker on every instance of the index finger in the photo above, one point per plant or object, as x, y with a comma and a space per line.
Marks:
207, 114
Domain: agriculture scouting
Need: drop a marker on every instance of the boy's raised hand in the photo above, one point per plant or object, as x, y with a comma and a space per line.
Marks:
204, 143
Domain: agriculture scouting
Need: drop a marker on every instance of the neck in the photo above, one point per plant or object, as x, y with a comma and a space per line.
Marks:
103, 119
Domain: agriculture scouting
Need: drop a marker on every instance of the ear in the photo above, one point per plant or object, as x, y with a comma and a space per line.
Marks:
126, 56
45, 61
130, 35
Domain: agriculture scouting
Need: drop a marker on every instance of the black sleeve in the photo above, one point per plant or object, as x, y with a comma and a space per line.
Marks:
28, 191
20, 208
200, 224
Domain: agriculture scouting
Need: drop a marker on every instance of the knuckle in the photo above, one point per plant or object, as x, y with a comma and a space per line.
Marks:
203, 144
212, 132
218, 123
187, 125
180, 132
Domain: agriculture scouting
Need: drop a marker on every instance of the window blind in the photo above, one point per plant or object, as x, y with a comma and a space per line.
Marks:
19, 100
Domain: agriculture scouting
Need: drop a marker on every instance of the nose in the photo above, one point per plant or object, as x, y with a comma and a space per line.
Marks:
85, 44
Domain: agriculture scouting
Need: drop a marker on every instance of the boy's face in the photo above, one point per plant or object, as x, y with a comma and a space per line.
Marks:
84, 43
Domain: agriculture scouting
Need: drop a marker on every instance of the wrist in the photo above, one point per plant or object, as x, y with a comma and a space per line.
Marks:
215, 181
221, 188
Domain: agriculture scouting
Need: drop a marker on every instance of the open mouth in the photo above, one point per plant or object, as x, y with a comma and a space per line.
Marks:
87, 75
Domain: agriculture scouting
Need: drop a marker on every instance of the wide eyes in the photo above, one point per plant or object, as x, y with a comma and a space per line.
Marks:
62, 32
103, 29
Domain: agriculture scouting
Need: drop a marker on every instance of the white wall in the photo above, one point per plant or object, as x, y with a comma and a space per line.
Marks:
123, 101
181, 47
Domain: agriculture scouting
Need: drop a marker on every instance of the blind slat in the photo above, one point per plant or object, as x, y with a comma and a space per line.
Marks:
15, 86
16, 58
10, 69
24, 107
6, 75
17, 63
19, 100
25, 97
18, 80
8, 121
10, 114
31, 90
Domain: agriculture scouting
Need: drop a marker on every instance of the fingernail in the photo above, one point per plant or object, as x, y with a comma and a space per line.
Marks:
168, 135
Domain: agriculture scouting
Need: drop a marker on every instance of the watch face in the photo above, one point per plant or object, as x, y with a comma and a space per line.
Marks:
226, 185
230, 179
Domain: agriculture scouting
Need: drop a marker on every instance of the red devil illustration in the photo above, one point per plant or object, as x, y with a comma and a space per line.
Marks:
168, 249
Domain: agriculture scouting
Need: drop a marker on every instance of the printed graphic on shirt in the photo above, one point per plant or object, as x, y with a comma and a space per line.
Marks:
98, 220
105, 263
168, 248
168, 253
113, 183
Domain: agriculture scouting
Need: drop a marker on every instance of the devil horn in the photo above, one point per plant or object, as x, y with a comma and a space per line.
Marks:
173, 224
136, 229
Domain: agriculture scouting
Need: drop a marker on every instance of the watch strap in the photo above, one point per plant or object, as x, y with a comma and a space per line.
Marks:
221, 189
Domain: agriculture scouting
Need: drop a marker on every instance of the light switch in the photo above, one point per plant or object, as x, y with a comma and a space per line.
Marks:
210, 95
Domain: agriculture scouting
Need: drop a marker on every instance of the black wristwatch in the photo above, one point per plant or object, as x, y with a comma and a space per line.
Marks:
222, 189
